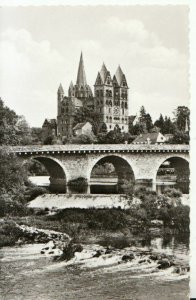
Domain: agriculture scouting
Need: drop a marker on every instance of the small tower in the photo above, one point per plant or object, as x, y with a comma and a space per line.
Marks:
104, 98
71, 90
60, 96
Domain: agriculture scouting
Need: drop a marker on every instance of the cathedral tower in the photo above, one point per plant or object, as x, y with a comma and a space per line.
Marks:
104, 98
120, 109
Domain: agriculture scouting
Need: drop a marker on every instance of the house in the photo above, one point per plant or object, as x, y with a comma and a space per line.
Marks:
150, 138
83, 128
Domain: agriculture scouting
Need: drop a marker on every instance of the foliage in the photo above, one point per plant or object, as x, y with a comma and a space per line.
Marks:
105, 169
166, 207
144, 123
93, 218
114, 137
181, 116
36, 134
83, 139
32, 192
9, 233
52, 140
80, 181
165, 125
14, 129
87, 114
180, 137
35, 168
13, 178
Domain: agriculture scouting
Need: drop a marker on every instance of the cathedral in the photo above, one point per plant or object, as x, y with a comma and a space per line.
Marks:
109, 101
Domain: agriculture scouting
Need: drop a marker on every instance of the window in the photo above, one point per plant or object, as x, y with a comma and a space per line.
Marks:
122, 127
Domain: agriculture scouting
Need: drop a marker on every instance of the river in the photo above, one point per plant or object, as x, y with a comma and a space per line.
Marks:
28, 275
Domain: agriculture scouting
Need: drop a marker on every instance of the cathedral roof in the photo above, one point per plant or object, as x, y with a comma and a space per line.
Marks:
60, 89
81, 77
119, 75
77, 102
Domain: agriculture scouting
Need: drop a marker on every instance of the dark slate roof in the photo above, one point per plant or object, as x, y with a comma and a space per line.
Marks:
60, 89
119, 75
103, 73
142, 138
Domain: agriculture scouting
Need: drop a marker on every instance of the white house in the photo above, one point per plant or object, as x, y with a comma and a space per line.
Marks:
150, 138
83, 128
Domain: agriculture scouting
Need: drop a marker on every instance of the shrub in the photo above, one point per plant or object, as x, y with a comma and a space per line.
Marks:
9, 233
34, 191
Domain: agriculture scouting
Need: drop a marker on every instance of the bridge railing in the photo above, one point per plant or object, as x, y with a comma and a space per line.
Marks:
100, 147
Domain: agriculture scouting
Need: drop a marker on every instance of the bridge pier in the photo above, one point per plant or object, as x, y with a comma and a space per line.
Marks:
57, 185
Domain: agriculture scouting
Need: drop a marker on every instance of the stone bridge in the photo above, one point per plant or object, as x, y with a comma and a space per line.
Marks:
137, 162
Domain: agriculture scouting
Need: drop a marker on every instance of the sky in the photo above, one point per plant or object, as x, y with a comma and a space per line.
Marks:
40, 48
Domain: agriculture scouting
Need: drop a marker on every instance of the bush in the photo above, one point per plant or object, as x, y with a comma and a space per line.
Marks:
34, 191
109, 219
9, 233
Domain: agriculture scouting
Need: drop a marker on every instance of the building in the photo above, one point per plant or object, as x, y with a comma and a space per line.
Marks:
83, 128
110, 100
150, 138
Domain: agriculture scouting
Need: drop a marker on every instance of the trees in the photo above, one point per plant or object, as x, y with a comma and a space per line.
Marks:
14, 129
85, 114
144, 123
160, 123
181, 116
12, 183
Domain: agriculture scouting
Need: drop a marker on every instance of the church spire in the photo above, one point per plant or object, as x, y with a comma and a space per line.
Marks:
81, 77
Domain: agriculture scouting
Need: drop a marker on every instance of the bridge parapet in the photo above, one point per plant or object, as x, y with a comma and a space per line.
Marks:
97, 148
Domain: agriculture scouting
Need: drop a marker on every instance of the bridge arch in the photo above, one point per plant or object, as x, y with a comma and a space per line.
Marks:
56, 171
111, 181
173, 171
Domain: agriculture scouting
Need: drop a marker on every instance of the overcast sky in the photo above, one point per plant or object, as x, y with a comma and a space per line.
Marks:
40, 47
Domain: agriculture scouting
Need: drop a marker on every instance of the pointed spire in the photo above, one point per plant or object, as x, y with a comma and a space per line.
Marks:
60, 89
119, 75
103, 73
81, 77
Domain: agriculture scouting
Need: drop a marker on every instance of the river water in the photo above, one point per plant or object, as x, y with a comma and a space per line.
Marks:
28, 275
